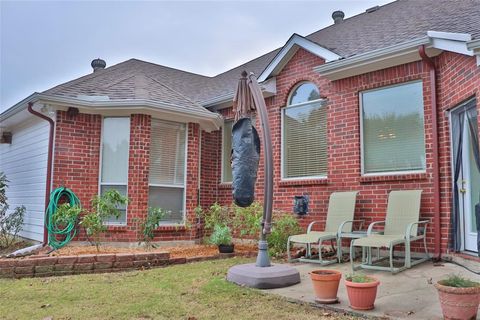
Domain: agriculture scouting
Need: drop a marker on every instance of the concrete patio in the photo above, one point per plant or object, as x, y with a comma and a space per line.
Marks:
407, 295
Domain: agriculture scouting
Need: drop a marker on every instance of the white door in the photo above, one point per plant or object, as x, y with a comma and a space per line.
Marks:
470, 190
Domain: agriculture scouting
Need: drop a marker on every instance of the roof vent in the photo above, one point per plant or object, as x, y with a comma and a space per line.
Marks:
372, 9
98, 64
338, 16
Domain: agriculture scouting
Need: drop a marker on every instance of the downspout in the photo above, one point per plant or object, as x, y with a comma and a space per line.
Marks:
49, 163
436, 167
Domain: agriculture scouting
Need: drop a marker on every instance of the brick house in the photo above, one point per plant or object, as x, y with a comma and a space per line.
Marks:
381, 101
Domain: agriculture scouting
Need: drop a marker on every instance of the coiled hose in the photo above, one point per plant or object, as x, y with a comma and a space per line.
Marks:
66, 231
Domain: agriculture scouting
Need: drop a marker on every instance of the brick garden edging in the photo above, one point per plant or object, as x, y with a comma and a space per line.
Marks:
45, 266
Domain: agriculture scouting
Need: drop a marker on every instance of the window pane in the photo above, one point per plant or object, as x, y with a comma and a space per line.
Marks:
122, 219
167, 153
115, 144
305, 141
303, 93
393, 129
227, 149
170, 199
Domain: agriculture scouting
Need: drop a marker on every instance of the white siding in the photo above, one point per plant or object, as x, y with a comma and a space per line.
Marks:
25, 164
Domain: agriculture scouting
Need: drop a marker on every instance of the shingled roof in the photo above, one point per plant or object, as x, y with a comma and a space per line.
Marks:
390, 24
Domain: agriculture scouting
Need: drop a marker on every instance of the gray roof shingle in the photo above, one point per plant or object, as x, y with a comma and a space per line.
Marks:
391, 24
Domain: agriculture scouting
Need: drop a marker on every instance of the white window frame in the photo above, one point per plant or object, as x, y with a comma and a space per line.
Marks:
184, 186
282, 123
100, 183
223, 153
362, 149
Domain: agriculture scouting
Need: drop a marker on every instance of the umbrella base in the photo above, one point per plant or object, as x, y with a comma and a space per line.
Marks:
275, 276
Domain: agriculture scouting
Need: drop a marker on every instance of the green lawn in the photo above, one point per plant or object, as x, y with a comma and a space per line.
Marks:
191, 291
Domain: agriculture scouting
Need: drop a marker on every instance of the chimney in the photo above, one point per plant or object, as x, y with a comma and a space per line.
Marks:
98, 64
338, 16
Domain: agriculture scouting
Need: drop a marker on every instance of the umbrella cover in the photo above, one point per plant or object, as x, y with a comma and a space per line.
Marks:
245, 158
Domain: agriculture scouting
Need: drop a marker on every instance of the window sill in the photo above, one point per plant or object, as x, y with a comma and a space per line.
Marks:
305, 182
394, 177
225, 185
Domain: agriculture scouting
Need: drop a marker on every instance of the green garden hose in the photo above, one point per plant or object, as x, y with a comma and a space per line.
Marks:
60, 235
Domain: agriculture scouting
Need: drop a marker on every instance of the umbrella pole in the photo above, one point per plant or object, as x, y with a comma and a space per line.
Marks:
263, 259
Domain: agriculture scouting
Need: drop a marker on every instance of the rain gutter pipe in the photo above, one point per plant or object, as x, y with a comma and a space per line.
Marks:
49, 163
436, 167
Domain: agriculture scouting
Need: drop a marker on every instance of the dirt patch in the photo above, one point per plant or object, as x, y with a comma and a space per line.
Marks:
16, 246
175, 252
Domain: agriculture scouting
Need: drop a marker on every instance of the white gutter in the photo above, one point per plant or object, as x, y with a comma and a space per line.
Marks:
371, 56
474, 45
208, 120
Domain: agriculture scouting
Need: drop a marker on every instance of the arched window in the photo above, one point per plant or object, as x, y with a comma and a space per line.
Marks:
304, 134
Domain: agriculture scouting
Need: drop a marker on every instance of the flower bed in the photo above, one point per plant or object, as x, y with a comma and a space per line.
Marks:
78, 260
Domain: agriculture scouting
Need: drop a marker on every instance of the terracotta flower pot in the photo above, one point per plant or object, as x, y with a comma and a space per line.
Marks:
362, 295
458, 303
226, 248
325, 285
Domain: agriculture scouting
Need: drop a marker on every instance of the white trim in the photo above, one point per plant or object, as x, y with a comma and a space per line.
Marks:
450, 35
474, 45
288, 50
453, 42
362, 148
100, 183
282, 123
163, 185
208, 120
222, 173
373, 60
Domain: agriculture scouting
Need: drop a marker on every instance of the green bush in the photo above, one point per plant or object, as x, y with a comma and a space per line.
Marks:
216, 215
151, 222
458, 282
66, 214
247, 220
103, 206
221, 235
283, 227
10, 223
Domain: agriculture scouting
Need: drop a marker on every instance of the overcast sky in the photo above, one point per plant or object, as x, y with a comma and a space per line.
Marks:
45, 43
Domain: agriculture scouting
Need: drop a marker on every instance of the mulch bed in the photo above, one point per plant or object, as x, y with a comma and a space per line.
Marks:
175, 252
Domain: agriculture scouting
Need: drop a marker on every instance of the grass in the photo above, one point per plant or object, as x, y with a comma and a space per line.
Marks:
191, 291
458, 282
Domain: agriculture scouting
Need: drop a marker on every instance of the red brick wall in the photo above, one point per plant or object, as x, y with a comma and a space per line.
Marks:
458, 80
76, 166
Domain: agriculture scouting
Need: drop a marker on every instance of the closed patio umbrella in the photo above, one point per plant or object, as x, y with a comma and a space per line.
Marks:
248, 98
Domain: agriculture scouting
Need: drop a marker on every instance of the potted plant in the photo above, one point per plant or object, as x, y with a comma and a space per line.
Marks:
459, 297
222, 237
325, 285
362, 291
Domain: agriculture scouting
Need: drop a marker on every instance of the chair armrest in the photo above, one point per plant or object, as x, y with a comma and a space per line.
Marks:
310, 226
408, 232
340, 228
370, 227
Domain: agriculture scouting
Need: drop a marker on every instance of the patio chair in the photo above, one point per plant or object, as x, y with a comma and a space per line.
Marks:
400, 227
341, 208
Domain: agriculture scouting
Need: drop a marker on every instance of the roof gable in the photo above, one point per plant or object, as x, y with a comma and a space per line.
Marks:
288, 50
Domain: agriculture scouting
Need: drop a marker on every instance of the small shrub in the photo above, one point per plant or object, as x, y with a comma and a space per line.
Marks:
284, 226
152, 222
359, 278
458, 282
103, 206
65, 214
216, 215
221, 235
10, 223
248, 220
